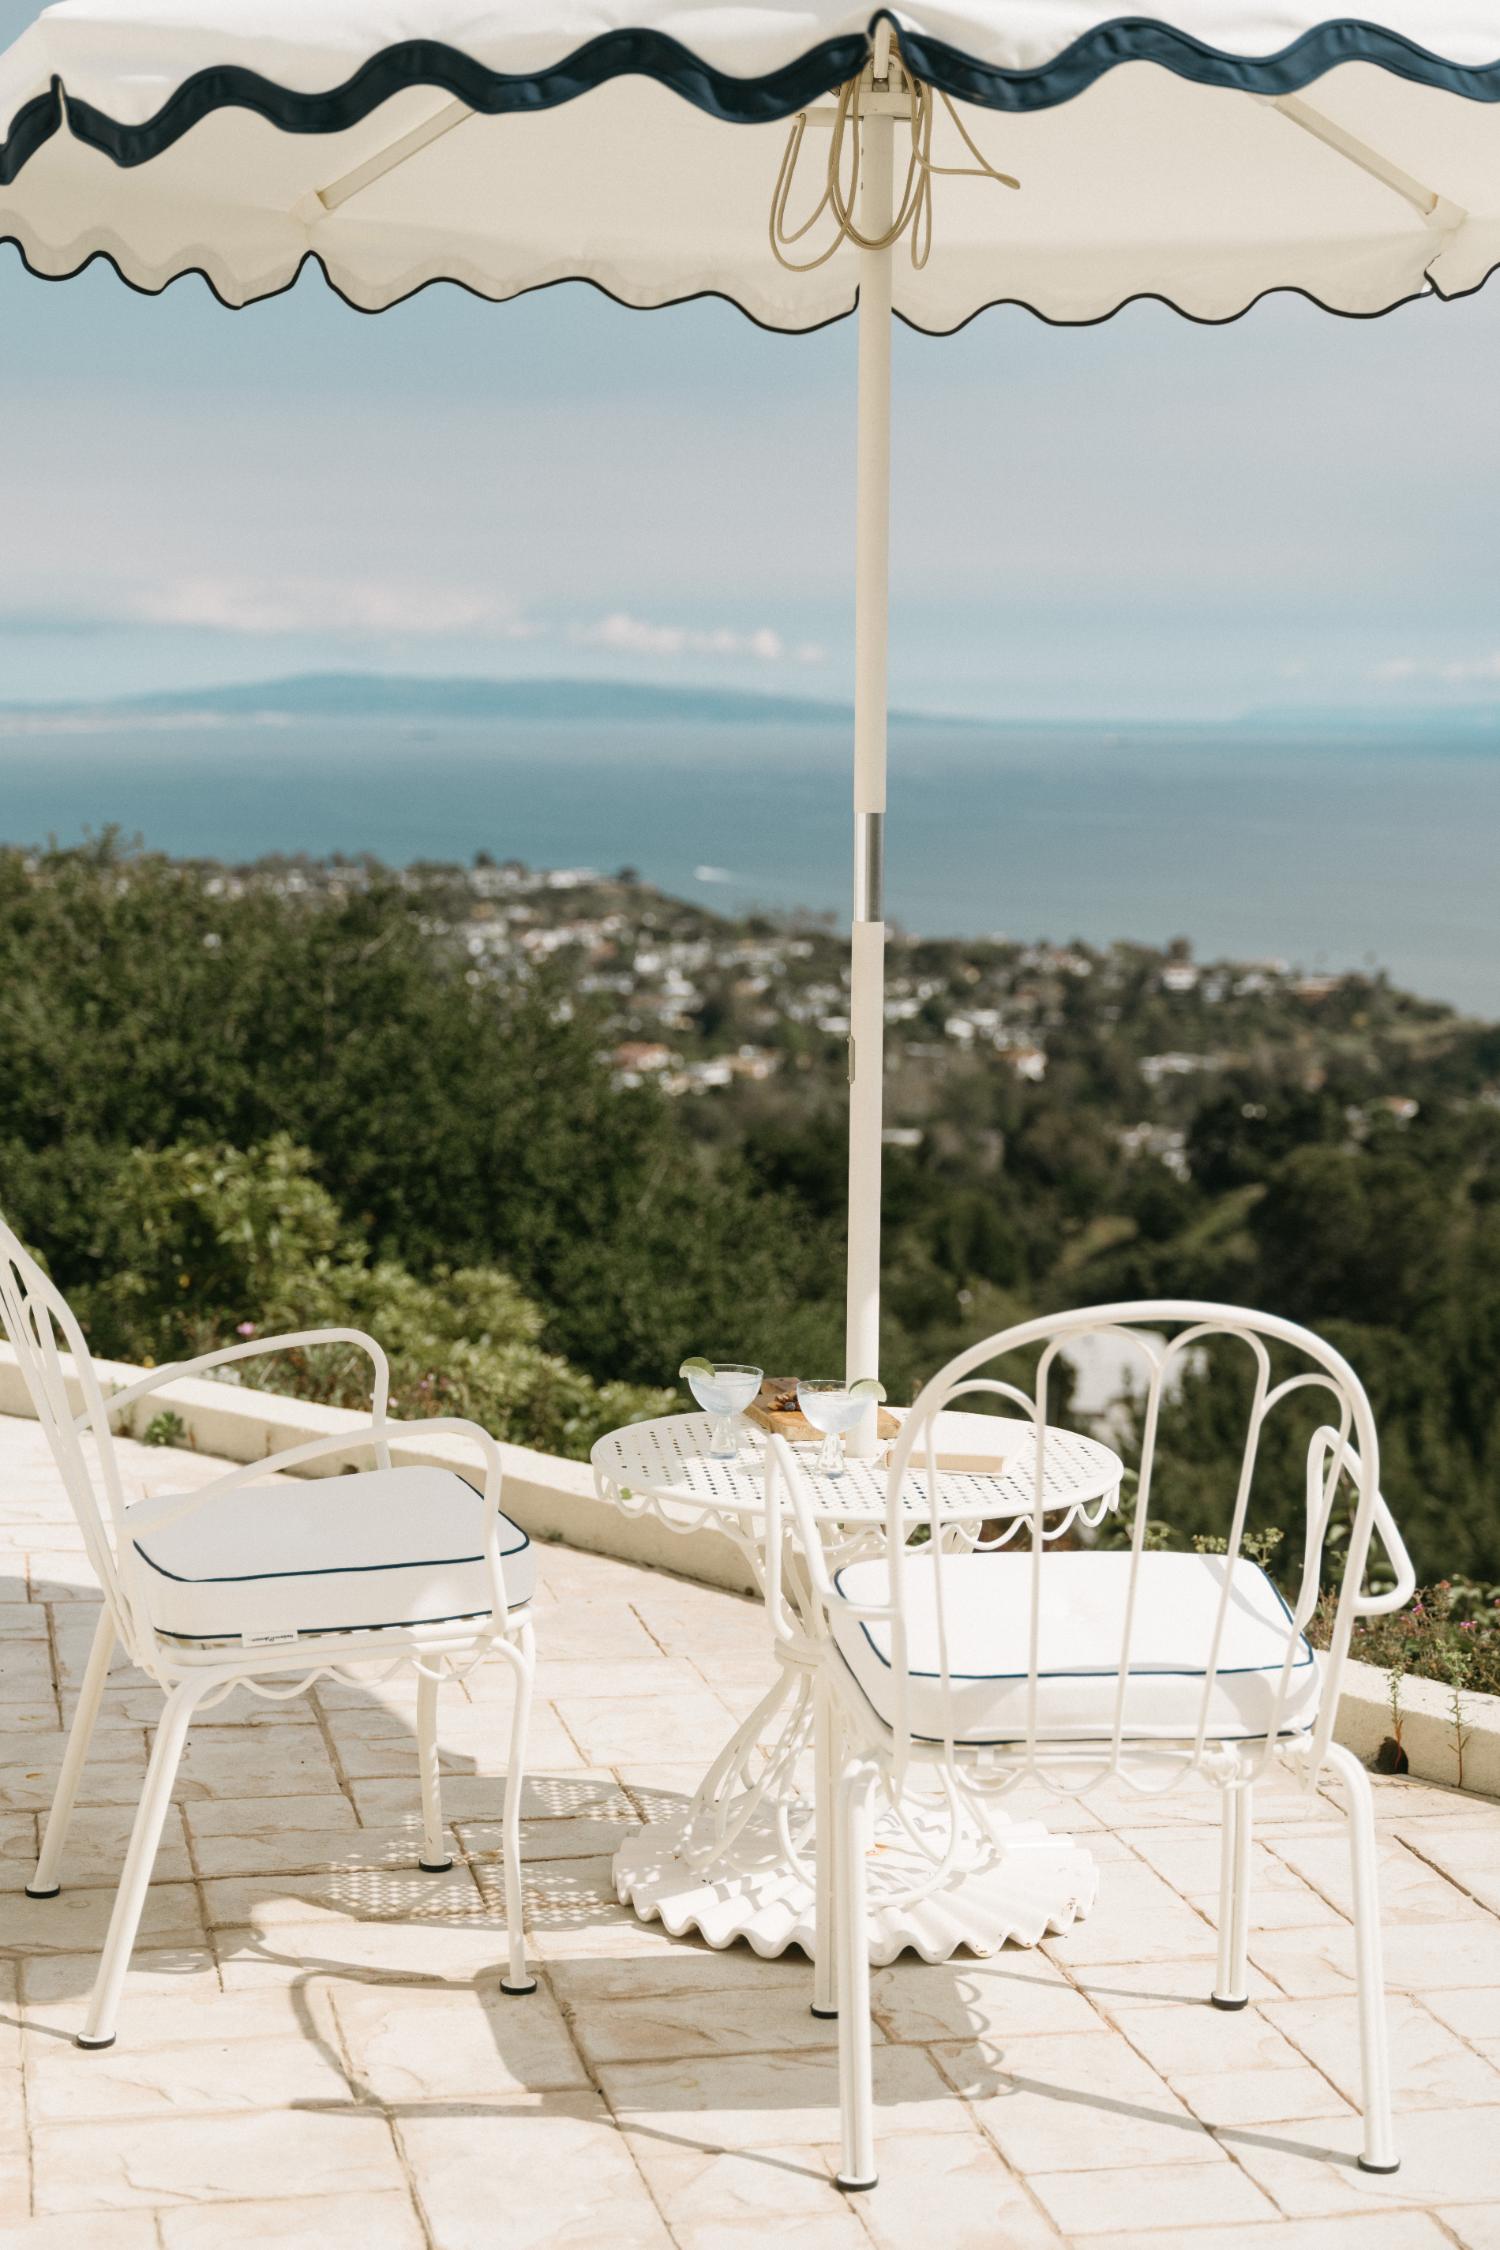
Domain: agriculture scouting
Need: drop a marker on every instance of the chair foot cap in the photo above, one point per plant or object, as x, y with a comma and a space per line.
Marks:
854, 2187
435, 1866
517, 1991
80, 2041
1229, 2006
52, 1893
1366, 2166
824, 2015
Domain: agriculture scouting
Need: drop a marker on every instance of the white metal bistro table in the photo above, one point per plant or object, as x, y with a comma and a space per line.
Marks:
738, 1860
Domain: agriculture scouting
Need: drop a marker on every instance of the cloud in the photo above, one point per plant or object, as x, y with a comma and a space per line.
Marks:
1456, 673
625, 635
356, 606
251, 606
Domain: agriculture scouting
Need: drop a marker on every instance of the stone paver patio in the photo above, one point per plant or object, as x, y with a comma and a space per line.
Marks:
314, 2049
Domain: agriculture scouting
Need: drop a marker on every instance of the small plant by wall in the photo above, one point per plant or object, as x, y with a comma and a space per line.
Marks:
1449, 1632
166, 1428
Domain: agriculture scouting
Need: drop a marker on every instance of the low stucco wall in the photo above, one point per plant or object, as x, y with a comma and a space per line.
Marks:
1429, 1731
549, 1498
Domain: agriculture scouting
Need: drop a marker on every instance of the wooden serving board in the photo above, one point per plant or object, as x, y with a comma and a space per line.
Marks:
775, 1409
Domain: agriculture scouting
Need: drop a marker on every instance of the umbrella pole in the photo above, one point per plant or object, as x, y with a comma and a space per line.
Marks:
871, 624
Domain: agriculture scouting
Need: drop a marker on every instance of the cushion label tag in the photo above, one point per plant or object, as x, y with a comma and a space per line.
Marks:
267, 1640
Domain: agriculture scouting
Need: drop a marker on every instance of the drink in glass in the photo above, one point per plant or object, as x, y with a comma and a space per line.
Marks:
723, 1388
832, 1408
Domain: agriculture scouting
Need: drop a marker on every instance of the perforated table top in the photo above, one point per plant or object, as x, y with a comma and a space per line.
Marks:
665, 1464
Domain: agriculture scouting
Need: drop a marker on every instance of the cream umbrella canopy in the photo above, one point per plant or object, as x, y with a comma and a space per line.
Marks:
800, 158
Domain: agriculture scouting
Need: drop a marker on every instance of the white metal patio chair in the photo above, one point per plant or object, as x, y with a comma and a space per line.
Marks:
270, 1588
955, 1670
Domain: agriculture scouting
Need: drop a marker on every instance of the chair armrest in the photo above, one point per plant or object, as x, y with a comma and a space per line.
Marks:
179, 1369
1320, 1490
1380, 1605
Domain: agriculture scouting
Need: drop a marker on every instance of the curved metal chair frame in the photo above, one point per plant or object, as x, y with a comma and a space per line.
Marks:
33, 1315
858, 1749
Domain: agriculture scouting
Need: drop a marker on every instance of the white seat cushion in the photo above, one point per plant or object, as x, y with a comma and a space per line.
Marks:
329, 1555
987, 1601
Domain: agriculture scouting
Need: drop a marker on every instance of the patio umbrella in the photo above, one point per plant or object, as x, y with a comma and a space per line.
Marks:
799, 158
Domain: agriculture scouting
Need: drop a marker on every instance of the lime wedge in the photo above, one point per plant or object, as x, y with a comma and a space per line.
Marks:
868, 1387
695, 1367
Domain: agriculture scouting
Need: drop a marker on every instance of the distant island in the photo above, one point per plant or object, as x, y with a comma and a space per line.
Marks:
373, 695
463, 698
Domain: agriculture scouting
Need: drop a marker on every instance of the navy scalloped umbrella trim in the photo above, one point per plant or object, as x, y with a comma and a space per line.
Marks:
428, 62
741, 101
1141, 39
33, 124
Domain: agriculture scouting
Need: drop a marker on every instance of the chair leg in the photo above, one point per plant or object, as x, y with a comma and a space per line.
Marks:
856, 2063
518, 1979
44, 1883
130, 1898
825, 1821
1230, 1989
436, 1859
1379, 2154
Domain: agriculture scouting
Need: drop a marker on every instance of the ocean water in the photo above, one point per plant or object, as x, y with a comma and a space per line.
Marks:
1328, 848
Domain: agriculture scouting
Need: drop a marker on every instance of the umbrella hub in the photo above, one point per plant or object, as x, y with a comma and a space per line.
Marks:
873, 100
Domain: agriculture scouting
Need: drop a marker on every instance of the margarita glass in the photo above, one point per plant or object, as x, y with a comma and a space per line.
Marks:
833, 1408
723, 1388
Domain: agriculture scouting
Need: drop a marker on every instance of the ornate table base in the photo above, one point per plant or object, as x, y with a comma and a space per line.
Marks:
737, 1862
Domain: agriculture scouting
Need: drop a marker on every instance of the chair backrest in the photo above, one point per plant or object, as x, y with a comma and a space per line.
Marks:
39, 1327
1165, 1348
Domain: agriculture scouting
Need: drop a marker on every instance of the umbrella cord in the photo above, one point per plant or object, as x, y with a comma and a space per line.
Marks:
914, 214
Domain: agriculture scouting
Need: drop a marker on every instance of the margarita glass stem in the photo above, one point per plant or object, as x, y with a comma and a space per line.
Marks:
721, 1437
831, 1455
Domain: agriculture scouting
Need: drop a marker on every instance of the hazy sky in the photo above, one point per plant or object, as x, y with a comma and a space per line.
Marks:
1146, 518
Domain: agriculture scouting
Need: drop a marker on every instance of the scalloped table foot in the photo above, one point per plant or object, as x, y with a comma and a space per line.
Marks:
1029, 1886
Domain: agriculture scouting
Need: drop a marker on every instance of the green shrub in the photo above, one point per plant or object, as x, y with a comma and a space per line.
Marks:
199, 1247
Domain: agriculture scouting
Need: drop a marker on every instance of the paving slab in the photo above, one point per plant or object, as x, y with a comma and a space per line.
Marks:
1084, 2104
163, 2160
1432, 2065
551, 2171
1089, 2204
342, 2222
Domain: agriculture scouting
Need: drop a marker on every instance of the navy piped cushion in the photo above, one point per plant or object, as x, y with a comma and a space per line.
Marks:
987, 1614
330, 1554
